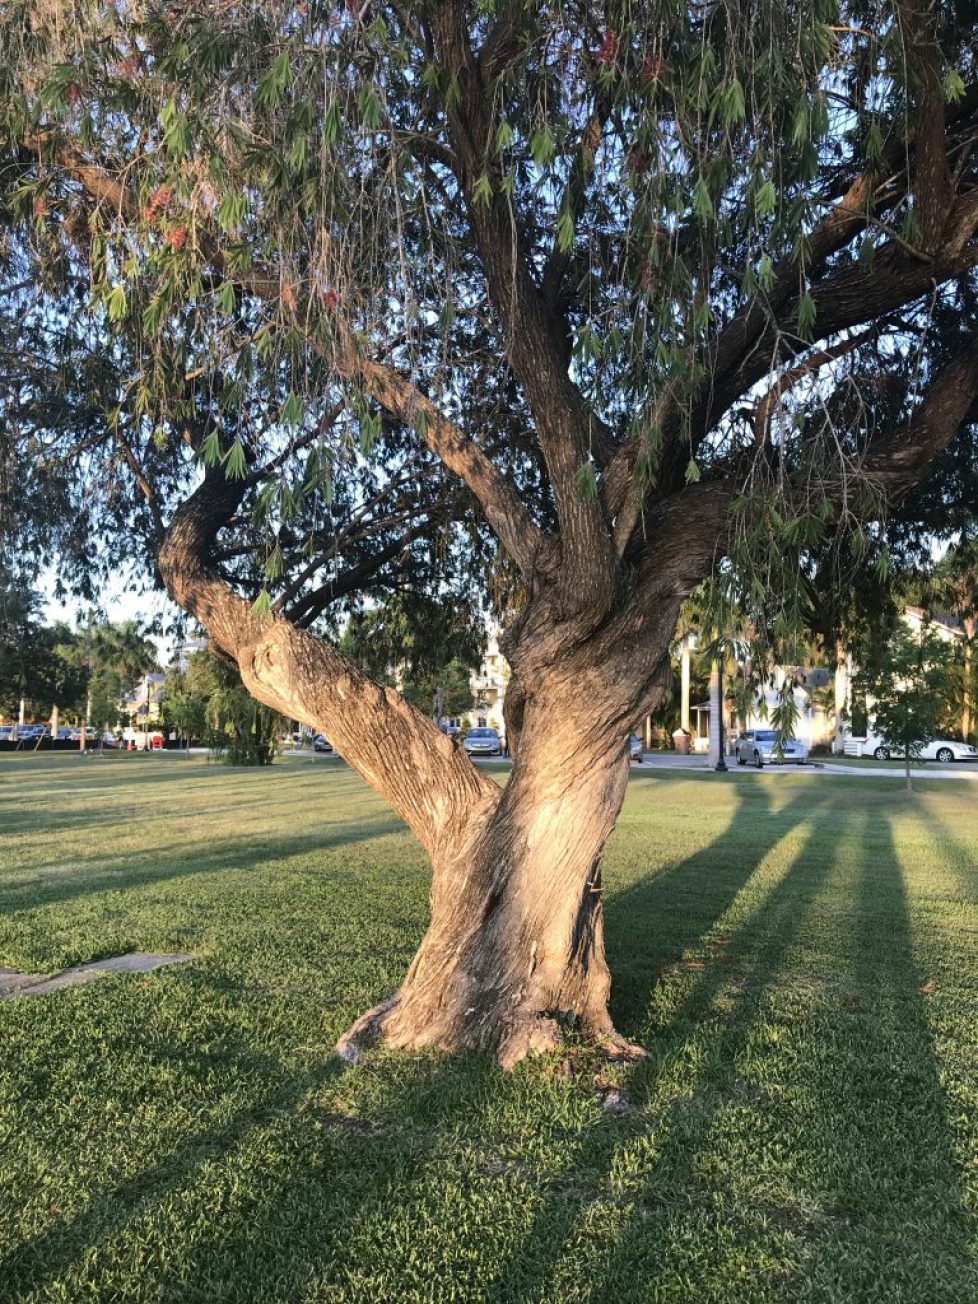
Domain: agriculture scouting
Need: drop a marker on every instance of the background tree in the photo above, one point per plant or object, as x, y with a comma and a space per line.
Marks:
241, 730
907, 690
110, 660
955, 586
186, 692
559, 304
37, 662
208, 701
418, 645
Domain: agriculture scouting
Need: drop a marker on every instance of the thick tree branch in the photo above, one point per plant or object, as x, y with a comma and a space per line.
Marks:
931, 176
535, 335
430, 782
691, 529
517, 532
843, 221
899, 460
575, 194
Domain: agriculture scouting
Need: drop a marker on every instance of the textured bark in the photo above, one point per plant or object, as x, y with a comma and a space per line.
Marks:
514, 955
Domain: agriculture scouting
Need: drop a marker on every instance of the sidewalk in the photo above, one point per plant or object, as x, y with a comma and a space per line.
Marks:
670, 761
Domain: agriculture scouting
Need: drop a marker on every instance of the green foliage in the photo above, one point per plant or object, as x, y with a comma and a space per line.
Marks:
907, 688
449, 684
290, 188
417, 644
208, 702
53, 665
32, 664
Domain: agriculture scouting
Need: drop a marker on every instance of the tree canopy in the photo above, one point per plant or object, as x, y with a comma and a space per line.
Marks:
560, 305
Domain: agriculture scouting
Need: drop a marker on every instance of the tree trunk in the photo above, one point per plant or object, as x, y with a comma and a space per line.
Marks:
514, 955
969, 631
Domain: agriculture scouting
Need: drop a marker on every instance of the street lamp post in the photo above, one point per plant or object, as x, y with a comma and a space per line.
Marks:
721, 765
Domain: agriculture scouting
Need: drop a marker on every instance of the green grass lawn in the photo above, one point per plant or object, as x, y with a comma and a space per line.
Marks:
798, 955
918, 767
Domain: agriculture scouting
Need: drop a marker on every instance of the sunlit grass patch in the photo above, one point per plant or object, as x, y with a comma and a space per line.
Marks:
797, 956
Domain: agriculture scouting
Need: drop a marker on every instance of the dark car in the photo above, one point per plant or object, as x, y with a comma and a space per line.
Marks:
636, 749
322, 744
483, 742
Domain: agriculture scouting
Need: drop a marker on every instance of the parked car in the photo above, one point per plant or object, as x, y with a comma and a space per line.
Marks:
636, 750
322, 744
760, 746
944, 750
483, 742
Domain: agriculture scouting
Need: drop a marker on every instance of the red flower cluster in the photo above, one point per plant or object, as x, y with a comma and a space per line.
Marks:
331, 300
72, 93
158, 202
653, 70
608, 52
130, 65
176, 237
41, 207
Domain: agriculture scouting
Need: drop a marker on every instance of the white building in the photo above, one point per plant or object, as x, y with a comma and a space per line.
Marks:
488, 685
821, 711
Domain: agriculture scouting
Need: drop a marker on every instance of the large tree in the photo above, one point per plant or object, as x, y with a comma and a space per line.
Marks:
563, 300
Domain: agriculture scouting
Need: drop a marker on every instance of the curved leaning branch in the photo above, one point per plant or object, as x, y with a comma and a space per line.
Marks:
428, 781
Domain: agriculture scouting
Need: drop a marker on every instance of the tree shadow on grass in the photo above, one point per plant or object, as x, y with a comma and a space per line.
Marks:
348, 1195
42, 1260
295, 1195
157, 865
685, 900
856, 1193
759, 948
883, 1143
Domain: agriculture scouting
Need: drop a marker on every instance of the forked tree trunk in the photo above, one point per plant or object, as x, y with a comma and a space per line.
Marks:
514, 955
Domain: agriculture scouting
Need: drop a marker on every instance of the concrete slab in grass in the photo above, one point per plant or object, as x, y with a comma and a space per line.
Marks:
13, 983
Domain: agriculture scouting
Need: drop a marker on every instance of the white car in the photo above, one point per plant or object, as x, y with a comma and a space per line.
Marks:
483, 742
760, 746
944, 750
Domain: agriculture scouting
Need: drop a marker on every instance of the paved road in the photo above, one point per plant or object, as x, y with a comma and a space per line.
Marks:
669, 761
698, 764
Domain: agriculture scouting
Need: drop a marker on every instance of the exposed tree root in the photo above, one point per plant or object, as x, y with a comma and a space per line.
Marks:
528, 1034
349, 1046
